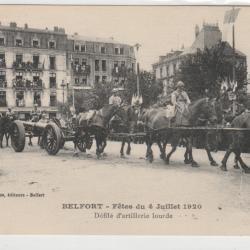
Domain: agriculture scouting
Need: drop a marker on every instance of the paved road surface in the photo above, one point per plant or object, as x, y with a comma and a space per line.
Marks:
224, 197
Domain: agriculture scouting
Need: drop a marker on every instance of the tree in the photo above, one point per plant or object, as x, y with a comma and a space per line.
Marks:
206, 69
150, 88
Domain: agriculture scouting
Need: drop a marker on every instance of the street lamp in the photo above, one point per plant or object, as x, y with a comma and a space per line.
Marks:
63, 85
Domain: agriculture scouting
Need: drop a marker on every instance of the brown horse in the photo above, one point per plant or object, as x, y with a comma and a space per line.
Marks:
157, 125
237, 138
98, 125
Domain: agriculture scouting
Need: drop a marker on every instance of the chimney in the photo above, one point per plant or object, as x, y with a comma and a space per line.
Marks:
26, 26
197, 30
75, 34
56, 28
13, 24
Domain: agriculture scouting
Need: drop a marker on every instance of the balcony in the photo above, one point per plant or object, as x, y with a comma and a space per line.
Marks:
81, 69
28, 85
121, 71
3, 84
22, 66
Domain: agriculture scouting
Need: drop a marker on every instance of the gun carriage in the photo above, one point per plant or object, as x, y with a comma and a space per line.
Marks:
52, 134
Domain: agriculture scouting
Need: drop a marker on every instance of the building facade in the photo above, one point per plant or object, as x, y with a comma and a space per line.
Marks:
40, 66
93, 60
209, 35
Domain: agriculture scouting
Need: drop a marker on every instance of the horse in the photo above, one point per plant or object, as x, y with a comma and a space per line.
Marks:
126, 122
98, 125
237, 138
159, 130
5, 122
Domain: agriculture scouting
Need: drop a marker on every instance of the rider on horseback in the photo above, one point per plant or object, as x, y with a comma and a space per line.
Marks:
180, 100
115, 98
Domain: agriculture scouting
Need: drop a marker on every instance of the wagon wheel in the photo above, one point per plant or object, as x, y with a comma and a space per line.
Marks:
84, 143
17, 136
81, 144
52, 139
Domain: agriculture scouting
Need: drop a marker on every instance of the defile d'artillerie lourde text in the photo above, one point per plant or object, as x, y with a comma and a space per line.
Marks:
82, 99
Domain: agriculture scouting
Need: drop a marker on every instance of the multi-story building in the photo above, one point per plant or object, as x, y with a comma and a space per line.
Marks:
93, 60
38, 66
168, 65
33, 66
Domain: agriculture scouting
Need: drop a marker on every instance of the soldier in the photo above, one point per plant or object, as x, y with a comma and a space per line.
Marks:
180, 101
35, 115
115, 98
10, 114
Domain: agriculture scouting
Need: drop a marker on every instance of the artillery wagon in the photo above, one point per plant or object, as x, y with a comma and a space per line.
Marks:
53, 136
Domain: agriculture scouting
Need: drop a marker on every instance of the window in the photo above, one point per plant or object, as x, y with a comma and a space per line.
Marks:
133, 67
37, 99
123, 63
83, 48
2, 79
104, 65
53, 101
97, 65
84, 81
20, 99
84, 62
2, 60
76, 81
76, 61
77, 47
97, 78
3, 102
52, 44
104, 78
19, 58
160, 72
19, 76
103, 50
116, 51
19, 42
116, 64
52, 62
2, 41
121, 51
35, 43
52, 80
35, 61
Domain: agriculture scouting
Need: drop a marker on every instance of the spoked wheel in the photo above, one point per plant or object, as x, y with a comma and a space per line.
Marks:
52, 139
84, 143
17, 136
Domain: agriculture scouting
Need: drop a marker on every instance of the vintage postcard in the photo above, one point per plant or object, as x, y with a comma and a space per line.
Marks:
124, 120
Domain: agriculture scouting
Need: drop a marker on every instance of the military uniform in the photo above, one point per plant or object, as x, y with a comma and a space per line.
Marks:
180, 100
116, 100
35, 115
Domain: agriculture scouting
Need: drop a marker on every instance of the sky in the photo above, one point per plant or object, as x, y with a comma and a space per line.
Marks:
157, 28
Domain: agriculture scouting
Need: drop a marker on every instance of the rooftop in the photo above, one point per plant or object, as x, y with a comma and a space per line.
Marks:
13, 26
77, 37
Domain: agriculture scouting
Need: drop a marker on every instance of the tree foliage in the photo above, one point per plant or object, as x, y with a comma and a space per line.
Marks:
206, 69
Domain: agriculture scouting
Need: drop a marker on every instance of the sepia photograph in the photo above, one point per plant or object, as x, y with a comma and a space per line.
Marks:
124, 120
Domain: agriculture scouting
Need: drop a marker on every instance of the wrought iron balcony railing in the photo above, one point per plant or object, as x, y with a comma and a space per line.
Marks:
81, 69
28, 66
27, 85
121, 71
